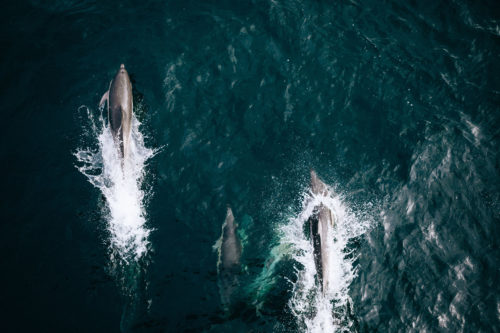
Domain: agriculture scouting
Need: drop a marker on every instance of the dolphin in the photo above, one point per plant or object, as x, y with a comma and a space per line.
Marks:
228, 266
320, 222
120, 107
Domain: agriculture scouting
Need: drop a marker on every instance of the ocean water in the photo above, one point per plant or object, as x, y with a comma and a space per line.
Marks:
394, 104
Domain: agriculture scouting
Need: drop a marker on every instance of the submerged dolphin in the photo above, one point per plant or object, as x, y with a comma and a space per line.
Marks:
321, 220
120, 106
228, 265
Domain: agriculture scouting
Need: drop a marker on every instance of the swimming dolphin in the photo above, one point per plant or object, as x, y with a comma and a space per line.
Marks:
321, 220
120, 106
228, 265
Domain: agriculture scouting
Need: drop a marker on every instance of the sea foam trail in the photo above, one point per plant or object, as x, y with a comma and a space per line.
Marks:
315, 311
121, 185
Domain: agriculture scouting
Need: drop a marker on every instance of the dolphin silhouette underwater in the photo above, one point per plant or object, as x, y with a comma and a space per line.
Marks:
228, 265
120, 106
320, 222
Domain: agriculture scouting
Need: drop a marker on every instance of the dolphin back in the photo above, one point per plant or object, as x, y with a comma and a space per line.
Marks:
120, 107
229, 261
316, 242
320, 223
231, 244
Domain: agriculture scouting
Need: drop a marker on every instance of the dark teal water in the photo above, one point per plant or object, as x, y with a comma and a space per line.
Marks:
395, 104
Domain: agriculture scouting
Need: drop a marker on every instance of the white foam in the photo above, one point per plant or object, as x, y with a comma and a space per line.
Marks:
121, 185
315, 311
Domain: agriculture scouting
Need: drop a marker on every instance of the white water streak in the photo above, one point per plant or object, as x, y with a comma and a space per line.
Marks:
120, 185
315, 311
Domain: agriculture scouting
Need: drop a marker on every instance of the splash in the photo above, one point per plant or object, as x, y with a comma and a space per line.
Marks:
315, 311
121, 183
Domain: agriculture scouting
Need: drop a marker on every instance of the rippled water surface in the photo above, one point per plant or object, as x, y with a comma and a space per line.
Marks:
394, 104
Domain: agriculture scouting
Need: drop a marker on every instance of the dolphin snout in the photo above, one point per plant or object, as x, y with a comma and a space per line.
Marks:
122, 66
